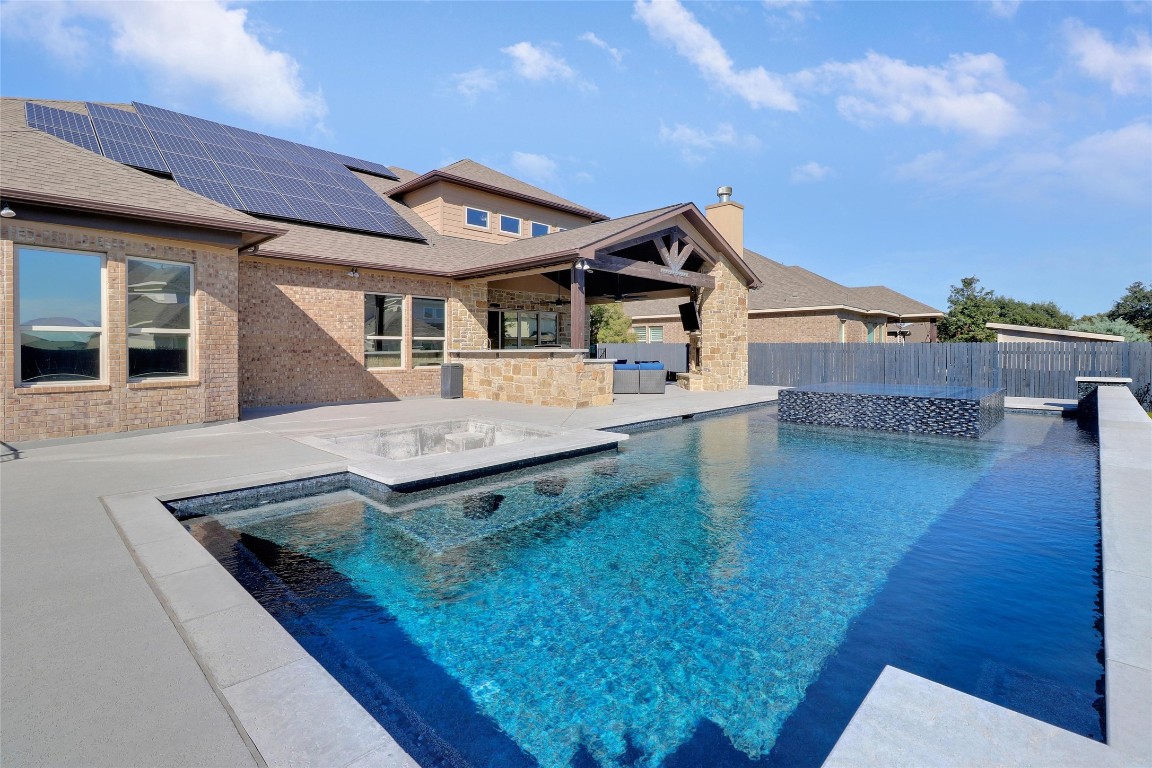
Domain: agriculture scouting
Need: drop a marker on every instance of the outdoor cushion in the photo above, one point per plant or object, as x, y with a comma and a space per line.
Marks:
626, 367
651, 366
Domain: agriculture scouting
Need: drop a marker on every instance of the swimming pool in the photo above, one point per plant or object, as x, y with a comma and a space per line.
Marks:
721, 593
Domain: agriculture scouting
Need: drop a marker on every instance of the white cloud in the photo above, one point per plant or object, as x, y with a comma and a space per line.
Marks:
1126, 68
591, 37
184, 45
532, 167
793, 11
1002, 9
584, 177
669, 22
1115, 166
53, 25
810, 172
696, 143
476, 81
533, 63
970, 93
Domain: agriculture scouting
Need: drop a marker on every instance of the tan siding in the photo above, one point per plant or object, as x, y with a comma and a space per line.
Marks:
428, 204
456, 198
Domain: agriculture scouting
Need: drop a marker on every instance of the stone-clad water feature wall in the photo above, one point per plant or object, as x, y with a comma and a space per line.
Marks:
952, 411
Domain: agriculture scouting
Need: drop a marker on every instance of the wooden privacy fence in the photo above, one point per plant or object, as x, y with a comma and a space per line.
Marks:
1024, 369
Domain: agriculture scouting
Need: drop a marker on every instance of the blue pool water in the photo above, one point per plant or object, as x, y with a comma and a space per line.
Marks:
722, 593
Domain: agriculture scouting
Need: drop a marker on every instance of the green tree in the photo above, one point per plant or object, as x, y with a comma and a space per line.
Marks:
1135, 306
1105, 324
969, 308
609, 324
1040, 314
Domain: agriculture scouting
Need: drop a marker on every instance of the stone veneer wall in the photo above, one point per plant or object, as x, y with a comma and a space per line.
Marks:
302, 334
538, 379
50, 411
952, 417
723, 334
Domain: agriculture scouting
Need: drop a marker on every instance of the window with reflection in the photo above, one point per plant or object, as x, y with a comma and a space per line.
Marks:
539, 229
60, 300
522, 329
383, 330
510, 225
159, 313
474, 217
428, 325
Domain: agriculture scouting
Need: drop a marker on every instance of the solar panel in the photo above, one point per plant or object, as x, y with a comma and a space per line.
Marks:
148, 158
171, 127
101, 112
122, 132
179, 144
238, 176
214, 190
86, 140
187, 165
242, 169
287, 185
265, 202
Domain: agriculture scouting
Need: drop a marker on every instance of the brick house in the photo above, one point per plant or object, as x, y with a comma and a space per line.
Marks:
160, 270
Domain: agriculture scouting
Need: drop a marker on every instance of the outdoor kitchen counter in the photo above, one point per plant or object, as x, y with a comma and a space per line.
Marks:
562, 378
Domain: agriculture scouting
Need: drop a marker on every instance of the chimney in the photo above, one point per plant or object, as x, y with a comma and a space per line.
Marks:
728, 218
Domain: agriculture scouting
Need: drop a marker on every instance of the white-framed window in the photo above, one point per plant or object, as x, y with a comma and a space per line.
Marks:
510, 225
159, 318
650, 334
60, 316
539, 229
428, 330
474, 217
383, 330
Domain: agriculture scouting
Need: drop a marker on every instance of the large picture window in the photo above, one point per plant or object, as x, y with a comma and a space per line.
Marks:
60, 299
383, 330
521, 329
159, 306
427, 331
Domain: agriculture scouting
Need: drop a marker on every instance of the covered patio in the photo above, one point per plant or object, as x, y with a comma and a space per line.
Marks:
522, 332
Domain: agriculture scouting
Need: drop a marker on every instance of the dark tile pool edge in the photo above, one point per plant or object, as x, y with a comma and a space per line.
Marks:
909, 720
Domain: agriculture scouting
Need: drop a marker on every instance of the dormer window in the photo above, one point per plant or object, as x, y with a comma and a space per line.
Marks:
539, 229
510, 225
474, 217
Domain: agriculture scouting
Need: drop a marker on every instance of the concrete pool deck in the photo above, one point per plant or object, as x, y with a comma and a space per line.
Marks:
102, 666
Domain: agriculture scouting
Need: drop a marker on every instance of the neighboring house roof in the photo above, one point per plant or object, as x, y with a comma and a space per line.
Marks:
469, 173
1057, 334
785, 288
39, 168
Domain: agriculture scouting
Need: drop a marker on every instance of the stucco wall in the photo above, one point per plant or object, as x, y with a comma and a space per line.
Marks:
116, 404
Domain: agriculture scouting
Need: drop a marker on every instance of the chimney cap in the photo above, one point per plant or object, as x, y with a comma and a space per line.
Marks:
725, 194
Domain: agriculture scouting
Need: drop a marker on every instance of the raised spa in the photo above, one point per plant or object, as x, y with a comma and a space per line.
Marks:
453, 436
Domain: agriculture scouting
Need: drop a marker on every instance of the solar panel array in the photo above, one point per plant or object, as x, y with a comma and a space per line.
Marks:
242, 169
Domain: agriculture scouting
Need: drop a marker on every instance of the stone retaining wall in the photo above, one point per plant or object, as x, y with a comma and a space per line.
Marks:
538, 379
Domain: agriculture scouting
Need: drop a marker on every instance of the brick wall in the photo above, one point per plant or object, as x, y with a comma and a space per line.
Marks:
117, 405
809, 327
302, 334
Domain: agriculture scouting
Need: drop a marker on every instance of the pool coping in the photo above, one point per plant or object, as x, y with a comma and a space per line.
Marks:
909, 720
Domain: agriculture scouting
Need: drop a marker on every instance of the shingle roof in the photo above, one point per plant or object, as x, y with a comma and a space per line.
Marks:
473, 174
39, 167
786, 287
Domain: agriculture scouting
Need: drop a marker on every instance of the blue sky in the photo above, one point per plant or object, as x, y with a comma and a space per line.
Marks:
905, 144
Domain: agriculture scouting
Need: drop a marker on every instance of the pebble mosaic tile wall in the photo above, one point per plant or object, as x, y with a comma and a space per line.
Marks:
894, 413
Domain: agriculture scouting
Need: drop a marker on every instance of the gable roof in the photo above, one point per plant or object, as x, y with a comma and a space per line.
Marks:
36, 167
469, 173
787, 288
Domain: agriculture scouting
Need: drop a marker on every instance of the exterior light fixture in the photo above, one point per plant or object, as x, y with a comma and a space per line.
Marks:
7, 212
353, 272
583, 265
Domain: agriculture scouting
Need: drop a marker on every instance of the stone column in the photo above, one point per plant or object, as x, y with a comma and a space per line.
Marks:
468, 316
724, 332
